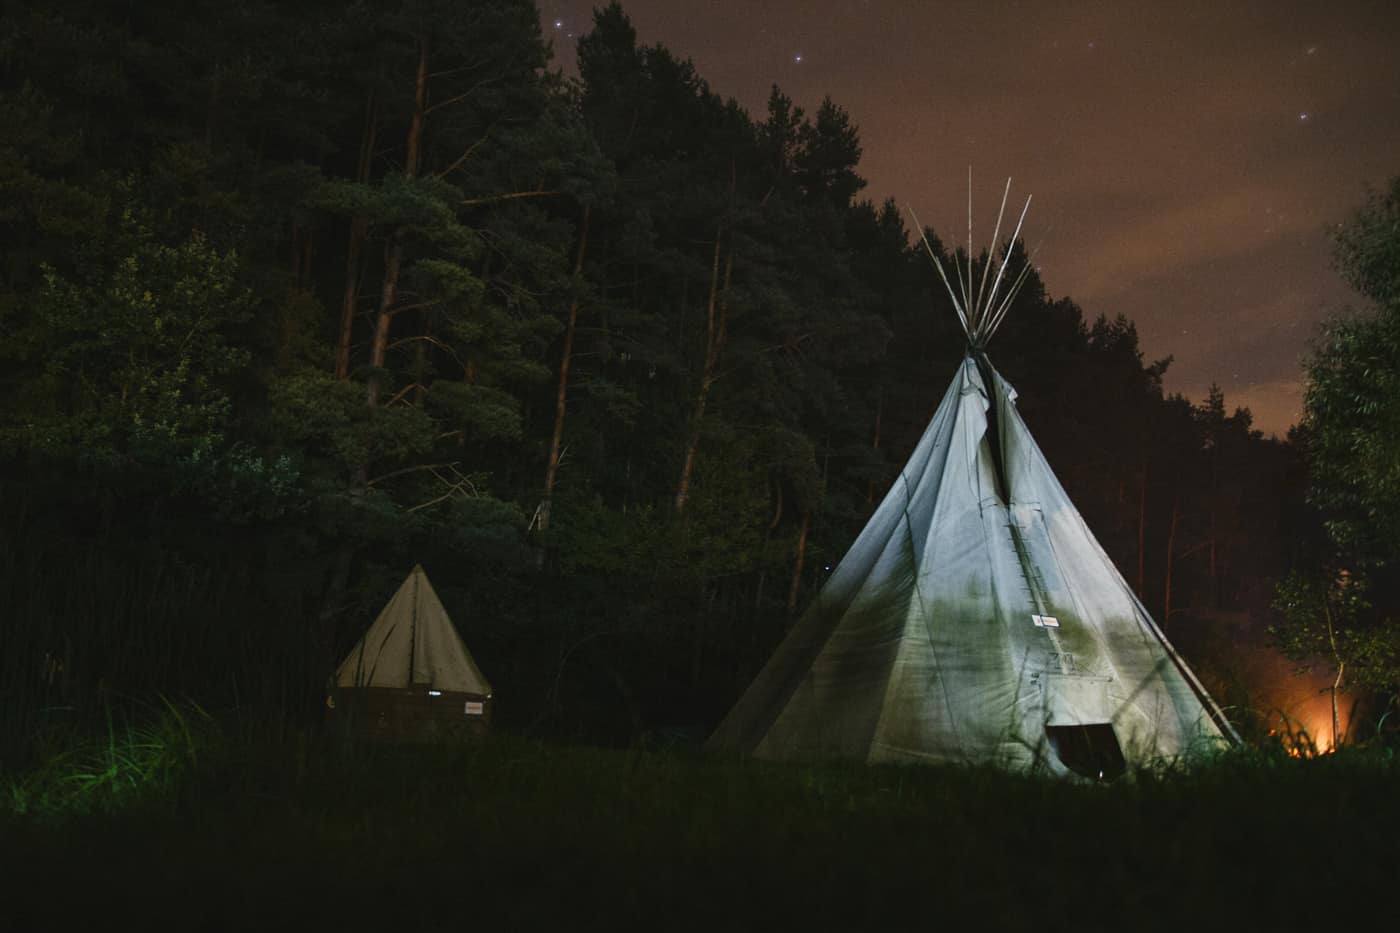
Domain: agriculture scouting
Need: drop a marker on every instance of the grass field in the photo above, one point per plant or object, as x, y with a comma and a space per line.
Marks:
191, 824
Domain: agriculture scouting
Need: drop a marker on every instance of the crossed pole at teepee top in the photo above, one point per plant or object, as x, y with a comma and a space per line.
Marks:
981, 314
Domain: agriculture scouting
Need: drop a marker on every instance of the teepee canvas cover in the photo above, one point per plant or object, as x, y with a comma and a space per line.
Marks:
976, 619
411, 675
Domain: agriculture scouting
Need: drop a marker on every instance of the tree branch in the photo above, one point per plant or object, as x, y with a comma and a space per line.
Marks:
460, 97
431, 502
1191, 550
466, 154
446, 348
514, 195
398, 396
413, 307
413, 469
463, 483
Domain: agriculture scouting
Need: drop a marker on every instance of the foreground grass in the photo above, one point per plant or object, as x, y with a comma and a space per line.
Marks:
186, 825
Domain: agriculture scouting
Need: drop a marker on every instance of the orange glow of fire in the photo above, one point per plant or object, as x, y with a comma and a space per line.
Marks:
1307, 736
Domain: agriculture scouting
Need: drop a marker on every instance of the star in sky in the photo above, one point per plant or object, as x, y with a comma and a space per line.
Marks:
1149, 173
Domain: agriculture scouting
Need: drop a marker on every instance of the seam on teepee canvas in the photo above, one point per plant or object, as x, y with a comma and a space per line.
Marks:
922, 606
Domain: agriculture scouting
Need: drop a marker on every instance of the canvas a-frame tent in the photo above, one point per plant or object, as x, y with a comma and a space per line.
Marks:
976, 619
411, 676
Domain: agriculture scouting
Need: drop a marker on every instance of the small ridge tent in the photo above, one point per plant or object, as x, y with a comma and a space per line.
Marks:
975, 618
411, 676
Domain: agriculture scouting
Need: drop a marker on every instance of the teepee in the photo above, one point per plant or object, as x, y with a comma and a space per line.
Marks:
975, 618
411, 675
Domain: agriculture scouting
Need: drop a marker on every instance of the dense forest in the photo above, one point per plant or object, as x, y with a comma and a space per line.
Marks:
295, 296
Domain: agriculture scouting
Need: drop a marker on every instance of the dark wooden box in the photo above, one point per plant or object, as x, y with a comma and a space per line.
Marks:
416, 714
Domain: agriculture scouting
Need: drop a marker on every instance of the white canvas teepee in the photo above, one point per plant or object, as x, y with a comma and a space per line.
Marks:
413, 644
976, 618
411, 675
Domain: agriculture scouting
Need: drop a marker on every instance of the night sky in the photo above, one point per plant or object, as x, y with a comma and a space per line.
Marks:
1188, 160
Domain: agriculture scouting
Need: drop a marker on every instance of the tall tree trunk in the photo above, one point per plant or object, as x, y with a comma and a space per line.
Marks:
875, 443
296, 253
1214, 512
763, 552
561, 396
1337, 683
420, 362
359, 227
301, 243
1336, 720
697, 647
393, 262
332, 603
1214, 577
1171, 557
307, 245
715, 333
388, 296
1142, 530
414, 145
797, 565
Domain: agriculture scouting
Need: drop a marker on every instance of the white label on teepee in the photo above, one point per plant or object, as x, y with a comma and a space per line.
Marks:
473, 708
1050, 621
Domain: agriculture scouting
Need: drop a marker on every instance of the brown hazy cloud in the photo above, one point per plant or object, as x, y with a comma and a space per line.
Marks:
1188, 160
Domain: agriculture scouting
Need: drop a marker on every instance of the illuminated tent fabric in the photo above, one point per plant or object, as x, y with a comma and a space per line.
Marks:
413, 643
976, 618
